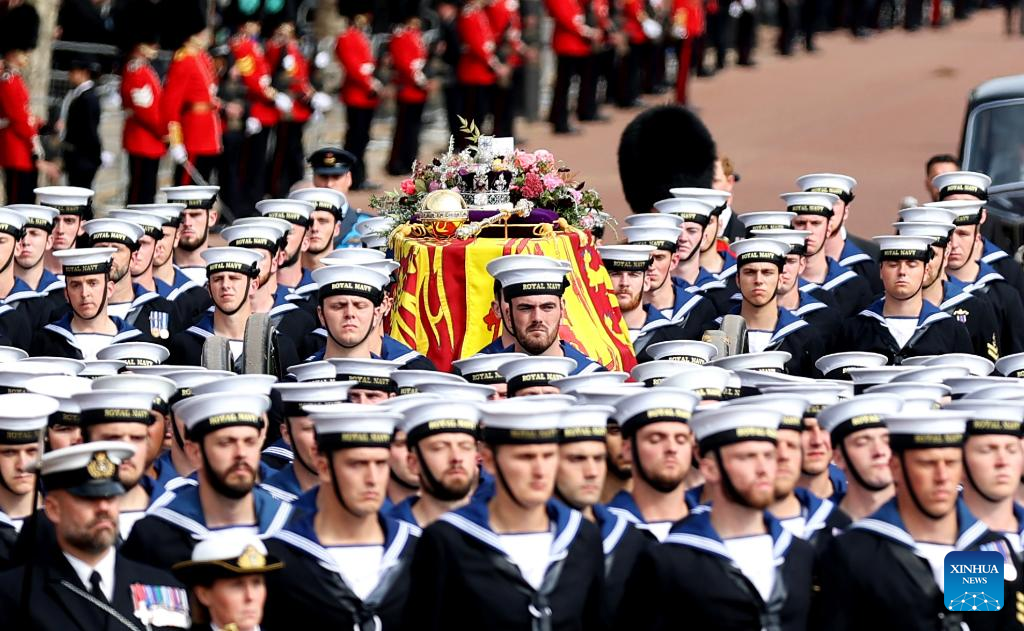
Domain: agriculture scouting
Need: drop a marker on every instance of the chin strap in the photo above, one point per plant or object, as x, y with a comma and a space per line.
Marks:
245, 299
727, 485
970, 479
856, 474
502, 481
218, 485
430, 484
296, 452
913, 494
103, 303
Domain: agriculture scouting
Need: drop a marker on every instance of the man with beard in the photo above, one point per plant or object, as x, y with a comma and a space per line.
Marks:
296, 212
87, 327
533, 305
346, 563
688, 277
895, 559
499, 310
966, 264
947, 293
84, 582
658, 443
731, 564
300, 475
174, 463
582, 467
815, 213
224, 434
75, 207
902, 323
196, 220
616, 460
21, 441
838, 246
442, 454
332, 168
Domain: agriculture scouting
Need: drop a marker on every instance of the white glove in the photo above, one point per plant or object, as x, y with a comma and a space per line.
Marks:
652, 29
283, 102
106, 158
735, 9
253, 126
749, 5
321, 59
178, 154
321, 102
113, 101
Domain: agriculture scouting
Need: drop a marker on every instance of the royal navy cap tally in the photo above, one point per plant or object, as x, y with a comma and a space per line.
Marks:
837, 184
927, 214
535, 371
898, 247
792, 407
331, 161
596, 379
766, 220
866, 411
768, 361
968, 212
294, 211
455, 391
926, 430
169, 213
1011, 365
254, 235
962, 183
61, 388
238, 384
294, 396
10, 354
795, 239
225, 556
85, 261
689, 351
232, 259
654, 220
526, 420
727, 425
984, 417
653, 373
659, 238
529, 276
810, 203
440, 417
485, 368
626, 258
836, 365
325, 199
718, 199
23, 417
353, 428
194, 197
977, 365
205, 413
938, 232
68, 200
654, 405
689, 209
350, 280
407, 380
584, 423
86, 469
135, 353
36, 215
373, 232
760, 250
115, 406
708, 383
369, 374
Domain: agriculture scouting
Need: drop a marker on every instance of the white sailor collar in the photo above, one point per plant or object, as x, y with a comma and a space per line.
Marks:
185, 511
929, 315
474, 521
696, 531
886, 522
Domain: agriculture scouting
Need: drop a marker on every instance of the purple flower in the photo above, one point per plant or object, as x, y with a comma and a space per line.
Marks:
433, 186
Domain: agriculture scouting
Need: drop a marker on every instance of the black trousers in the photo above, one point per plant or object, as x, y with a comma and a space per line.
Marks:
405, 145
914, 16
474, 106
787, 27
809, 18
568, 68
586, 105
80, 172
19, 186
142, 173
204, 165
252, 171
357, 136
507, 103
746, 37
289, 163
230, 195
452, 92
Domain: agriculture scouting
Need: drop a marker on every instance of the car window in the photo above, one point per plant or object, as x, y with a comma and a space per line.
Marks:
995, 141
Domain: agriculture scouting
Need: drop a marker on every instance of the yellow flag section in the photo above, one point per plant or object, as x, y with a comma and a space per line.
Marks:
443, 302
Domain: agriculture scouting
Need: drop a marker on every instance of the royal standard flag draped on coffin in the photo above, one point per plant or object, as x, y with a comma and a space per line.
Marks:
444, 294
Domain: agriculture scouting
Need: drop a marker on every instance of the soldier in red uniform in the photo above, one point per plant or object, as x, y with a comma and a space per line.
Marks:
145, 131
19, 142
506, 24
573, 42
190, 104
360, 90
687, 27
479, 67
636, 62
408, 59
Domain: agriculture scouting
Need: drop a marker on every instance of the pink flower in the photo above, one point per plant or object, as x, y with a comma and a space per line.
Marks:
552, 181
576, 195
433, 186
525, 161
408, 186
543, 155
532, 186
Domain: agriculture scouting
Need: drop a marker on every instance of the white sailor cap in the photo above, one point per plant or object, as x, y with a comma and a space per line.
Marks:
255, 385
912, 390
36, 215
485, 368
194, 197
152, 225
962, 183
653, 373
160, 389
10, 354
930, 374
68, 200
295, 211
919, 360
526, 420
791, 406
11, 222
1004, 417
229, 259
353, 427
407, 380
836, 365
795, 239
1011, 365
692, 209
731, 424
899, 247
963, 386
865, 376
369, 374
102, 368
115, 406
689, 351
529, 276
978, 366
85, 261
538, 370
865, 411
186, 380
321, 198
205, 413
659, 238
626, 258
440, 417
607, 395
456, 391
350, 280
926, 429
584, 423
169, 213
23, 416
50, 365
374, 232
294, 396
316, 371
718, 199
398, 405
254, 235
1003, 392
968, 212
768, 361
654, 220
163, 370
654, 405
86, 469
515, 261
354, 256
135, 353
61, 388
280, 225
819, 394
708, 383
834, 183
13, 377
920, 404
597, 379
760, 250
810, 203
937, 232
766, 220
223, 555
927, 214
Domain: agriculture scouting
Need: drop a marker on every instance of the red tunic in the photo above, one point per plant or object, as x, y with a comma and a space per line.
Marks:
569, 21
144, 127
252, 67
503, 16
633, 17
689, 14
190, 103
408, 57
295, 68
478, 43
17, 124
356, 58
